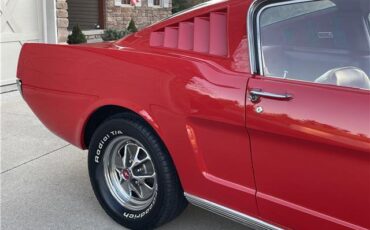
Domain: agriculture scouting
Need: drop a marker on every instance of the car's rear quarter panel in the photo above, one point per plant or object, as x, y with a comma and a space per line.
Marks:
178, 94
65, 84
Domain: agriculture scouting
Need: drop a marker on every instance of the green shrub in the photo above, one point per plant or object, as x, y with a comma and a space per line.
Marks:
180, 5
132, 27
77, 37
112, 34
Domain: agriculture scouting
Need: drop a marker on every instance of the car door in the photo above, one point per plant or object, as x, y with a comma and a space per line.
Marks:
308, 114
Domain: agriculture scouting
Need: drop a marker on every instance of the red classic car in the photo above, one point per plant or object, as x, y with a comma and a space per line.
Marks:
256, 110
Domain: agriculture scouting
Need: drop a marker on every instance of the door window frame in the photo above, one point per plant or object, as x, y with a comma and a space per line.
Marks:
254, 31
255, 45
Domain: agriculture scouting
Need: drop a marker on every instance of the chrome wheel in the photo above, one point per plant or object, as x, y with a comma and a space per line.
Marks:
129, 173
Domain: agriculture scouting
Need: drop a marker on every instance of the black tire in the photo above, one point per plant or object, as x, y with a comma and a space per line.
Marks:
169, 201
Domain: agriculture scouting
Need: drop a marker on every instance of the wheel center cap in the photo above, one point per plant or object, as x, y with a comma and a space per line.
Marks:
126, 174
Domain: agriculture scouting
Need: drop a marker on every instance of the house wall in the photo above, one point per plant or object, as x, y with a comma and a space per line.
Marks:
62, 20
118, 17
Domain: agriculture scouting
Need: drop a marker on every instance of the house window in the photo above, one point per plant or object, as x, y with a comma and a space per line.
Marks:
88, 14
127, 3
159, 3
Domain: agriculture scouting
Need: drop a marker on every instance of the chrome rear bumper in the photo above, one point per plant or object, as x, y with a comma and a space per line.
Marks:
19, 86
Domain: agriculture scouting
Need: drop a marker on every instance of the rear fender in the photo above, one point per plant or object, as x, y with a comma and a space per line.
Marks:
143, 112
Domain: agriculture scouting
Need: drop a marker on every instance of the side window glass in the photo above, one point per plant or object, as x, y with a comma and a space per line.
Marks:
318, 41
278, 14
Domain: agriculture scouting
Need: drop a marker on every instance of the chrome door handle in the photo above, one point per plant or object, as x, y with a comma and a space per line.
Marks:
256, 94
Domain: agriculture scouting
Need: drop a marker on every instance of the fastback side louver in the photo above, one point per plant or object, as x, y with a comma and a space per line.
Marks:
203, 34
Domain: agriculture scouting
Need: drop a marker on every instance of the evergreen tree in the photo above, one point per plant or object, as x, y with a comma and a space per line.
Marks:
132, 27
77, 37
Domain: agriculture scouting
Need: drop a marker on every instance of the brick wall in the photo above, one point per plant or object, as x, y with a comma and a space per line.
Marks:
116, 17
119, 17
62, 20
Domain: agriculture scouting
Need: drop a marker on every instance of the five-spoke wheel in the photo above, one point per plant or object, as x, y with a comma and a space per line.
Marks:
133, 175
130, 173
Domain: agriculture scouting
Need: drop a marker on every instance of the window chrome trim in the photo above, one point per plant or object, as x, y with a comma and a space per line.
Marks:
254, 34
251, 36
244, 219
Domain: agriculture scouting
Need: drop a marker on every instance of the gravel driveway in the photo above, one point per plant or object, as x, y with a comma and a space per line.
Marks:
45, 184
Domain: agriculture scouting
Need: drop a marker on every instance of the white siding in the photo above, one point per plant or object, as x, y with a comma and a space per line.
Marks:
21, 22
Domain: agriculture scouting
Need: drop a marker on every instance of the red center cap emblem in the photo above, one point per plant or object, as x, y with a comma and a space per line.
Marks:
126, 174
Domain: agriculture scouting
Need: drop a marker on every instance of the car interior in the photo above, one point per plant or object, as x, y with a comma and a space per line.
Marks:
330, 45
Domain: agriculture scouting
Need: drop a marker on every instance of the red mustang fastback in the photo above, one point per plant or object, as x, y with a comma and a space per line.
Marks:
256, 110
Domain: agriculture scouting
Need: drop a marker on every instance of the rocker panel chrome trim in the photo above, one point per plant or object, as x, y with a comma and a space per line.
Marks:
230, 214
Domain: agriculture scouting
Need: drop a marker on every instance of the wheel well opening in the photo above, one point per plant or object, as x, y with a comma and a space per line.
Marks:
98, 117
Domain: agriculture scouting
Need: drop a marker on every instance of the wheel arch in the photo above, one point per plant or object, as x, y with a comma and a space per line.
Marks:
104, 112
